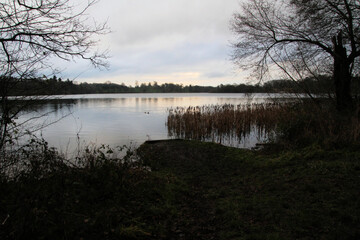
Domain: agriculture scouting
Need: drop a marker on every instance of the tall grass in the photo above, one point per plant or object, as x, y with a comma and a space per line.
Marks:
293, 123
322, 123
217, 122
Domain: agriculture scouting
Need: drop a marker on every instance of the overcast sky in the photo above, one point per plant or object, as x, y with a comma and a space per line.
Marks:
177, 41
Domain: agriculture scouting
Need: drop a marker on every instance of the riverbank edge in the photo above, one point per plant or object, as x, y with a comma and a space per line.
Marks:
192, 190
308, 193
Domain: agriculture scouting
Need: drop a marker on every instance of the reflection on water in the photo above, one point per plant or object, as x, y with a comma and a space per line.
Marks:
118, 119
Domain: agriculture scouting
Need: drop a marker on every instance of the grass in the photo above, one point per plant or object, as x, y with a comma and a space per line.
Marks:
194, 190
239, 194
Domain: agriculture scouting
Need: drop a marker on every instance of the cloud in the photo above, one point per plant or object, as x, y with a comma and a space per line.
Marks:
161, 38
137, 22
187, 55
215, 75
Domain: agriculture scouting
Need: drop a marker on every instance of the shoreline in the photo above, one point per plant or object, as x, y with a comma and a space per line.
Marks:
184, 189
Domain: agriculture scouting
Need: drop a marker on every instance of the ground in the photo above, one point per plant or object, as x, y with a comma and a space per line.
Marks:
241, 194
194, 190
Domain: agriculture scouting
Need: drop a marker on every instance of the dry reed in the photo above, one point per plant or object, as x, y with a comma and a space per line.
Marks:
219, 122
292, 123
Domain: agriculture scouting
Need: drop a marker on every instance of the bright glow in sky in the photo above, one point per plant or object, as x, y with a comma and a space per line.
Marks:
167, 41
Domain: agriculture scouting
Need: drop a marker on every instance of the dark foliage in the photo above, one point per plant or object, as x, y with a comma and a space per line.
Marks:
55, 86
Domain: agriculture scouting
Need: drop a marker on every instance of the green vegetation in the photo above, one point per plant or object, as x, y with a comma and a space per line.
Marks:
308, 193
194, 190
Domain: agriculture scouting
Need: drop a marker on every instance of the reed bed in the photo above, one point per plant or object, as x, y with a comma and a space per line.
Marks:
289, 123
220, 122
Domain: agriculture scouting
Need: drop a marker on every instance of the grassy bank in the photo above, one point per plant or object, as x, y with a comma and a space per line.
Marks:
194, 191
239, 194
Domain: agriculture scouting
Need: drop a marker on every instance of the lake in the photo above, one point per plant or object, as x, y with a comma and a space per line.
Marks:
122, 119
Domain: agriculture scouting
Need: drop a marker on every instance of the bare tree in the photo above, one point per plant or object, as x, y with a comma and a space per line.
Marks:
32, 33
302, 38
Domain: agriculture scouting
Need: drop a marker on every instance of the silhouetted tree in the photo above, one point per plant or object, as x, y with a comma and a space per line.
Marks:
303, 38
31, 33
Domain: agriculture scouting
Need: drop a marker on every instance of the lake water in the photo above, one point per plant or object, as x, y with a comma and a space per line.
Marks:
122, 119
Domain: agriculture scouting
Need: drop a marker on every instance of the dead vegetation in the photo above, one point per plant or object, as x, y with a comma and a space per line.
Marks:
217, 122
292, 123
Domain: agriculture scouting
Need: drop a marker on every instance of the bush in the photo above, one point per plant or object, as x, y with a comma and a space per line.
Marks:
307, 123
98, 196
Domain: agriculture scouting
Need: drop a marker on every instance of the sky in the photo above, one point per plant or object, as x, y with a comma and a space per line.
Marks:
167, 41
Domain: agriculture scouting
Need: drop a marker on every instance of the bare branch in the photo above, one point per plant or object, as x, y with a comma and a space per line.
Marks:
34, 29
299, 35
31, 33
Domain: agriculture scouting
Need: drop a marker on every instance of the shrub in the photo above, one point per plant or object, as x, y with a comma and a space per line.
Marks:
308, 123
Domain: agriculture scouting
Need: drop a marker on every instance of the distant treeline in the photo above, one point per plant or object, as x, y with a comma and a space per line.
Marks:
57, 86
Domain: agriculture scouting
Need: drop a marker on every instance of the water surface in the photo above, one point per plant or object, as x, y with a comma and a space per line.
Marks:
122, 119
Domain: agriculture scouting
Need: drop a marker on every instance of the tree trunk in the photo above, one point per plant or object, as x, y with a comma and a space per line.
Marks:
342, 76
